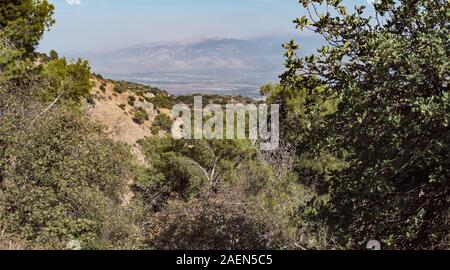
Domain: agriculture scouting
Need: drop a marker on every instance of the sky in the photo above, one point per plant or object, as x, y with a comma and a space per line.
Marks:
105, 25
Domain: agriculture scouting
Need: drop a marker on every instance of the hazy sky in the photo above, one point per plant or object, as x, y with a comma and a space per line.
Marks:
102, 25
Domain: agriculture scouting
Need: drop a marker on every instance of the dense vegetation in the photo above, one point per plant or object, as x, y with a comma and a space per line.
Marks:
61, 178
388, 76
194, 192
24, 22
364, 153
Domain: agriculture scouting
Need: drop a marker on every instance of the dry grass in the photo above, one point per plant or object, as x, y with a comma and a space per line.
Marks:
8, 242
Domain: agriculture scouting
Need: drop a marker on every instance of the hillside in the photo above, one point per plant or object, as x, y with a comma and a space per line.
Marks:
113, 110
129, 110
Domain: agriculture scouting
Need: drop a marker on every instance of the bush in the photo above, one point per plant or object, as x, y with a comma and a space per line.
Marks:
163, 101
69, 80
66, 183
119, 89
131, 100
90, 99
210, 225
155, 130
140, 116
164, 122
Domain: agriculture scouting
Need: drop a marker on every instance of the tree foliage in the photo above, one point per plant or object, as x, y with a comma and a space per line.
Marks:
210, 225
64, 81
25, 21
391, 126
201, 194
61, 177
188, 168
63, 180
364, 152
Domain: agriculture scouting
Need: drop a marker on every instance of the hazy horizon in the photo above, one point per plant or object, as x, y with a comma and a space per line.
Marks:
148, 41
107, 25
100, 25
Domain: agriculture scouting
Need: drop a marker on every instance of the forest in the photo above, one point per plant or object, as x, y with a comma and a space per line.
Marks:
364, 148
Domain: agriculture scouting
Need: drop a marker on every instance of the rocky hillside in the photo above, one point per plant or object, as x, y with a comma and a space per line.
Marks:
132, 112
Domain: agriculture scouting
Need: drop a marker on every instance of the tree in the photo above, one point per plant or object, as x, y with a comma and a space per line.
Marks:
25, 21
63, 180
194, 166
218, 194
391, 127
65, 81
164, 122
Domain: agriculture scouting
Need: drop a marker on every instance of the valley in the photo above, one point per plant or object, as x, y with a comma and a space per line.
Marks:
224, 66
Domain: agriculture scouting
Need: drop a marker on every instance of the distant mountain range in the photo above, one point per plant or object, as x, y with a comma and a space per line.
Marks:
212, 65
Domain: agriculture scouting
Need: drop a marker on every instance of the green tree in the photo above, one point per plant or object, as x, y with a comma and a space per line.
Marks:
190, 168
140, 116
391, 127
12, 64
164, 122
63, 180
200, 194
64, 81
25, 21
303, 117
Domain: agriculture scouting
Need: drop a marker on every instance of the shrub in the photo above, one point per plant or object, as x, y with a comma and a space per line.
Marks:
131, 100
66, 182
119, 89
68, 80
149, 100
140, 116
212, 224
163, 101
164, 122
155, 130
90, 99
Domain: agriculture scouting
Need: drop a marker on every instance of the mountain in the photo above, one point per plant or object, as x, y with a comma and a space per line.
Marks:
212, 65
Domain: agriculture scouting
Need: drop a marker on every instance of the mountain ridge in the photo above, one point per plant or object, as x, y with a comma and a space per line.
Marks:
206, 65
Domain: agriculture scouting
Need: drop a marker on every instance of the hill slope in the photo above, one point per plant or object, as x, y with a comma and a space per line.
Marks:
129, 110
